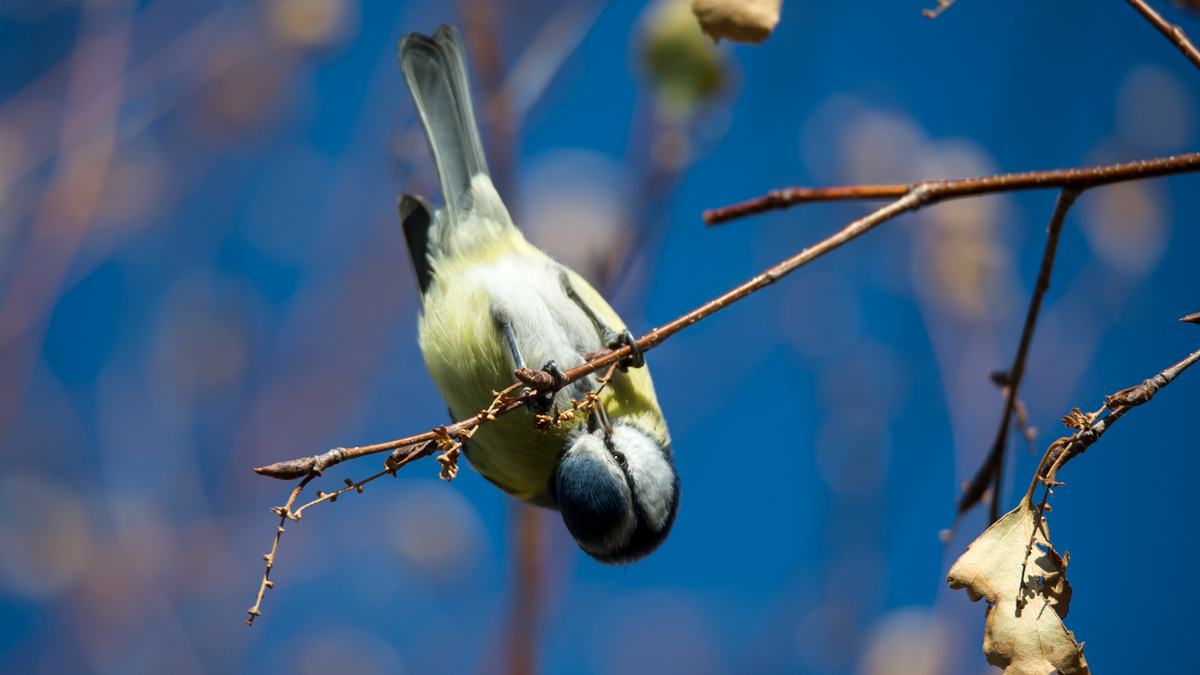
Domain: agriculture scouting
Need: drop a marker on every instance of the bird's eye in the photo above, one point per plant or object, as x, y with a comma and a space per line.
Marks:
620, 458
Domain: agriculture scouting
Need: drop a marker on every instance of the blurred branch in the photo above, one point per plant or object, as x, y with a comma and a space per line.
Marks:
87, 143
482, 35
1172, 32
943, 5
541, 59
204, 51
66, 207
993, 467
942, 190
509, 97
527, 593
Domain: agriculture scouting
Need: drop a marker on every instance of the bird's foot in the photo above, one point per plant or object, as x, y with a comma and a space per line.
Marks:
549, 379
635, 358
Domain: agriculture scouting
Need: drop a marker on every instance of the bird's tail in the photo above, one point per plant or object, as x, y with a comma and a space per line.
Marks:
436, 73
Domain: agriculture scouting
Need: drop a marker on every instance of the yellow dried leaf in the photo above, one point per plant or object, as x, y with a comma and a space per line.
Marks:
749, 21
1024, 634
445, 442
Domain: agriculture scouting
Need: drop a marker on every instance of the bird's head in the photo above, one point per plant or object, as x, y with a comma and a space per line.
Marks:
617, 491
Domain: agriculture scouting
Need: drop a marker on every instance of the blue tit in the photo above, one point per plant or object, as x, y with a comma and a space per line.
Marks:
492, 303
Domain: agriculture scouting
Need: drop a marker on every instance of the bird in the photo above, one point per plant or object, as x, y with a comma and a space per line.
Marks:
492, 303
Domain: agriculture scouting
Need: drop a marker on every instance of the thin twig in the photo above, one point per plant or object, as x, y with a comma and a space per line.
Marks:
1118, 404
296, 468
283, 512
993, 466
1090, 428
1172, 32
942, 190
405, 455
332, 496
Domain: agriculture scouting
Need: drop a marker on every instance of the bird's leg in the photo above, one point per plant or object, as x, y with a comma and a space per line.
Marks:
611, 338
501, 317
607, 335
539, 404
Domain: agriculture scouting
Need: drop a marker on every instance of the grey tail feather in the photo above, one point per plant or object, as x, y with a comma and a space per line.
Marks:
436, 74
417, 217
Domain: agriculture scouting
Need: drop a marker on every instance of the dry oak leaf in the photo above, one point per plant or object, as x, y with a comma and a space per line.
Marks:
749, 21
1024, 634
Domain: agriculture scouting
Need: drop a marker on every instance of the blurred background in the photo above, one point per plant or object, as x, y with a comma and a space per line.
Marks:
202, 271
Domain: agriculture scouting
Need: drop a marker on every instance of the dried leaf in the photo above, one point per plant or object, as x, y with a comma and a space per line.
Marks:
1080, 420
543, 423
449, 462
445, 442
749, 21
1054, 584
1021, 635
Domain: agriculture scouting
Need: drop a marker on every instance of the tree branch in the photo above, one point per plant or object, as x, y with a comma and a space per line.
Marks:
909, 198
993, 466
1172, 32
1118, 404
937, 191
1090, 428
282, 512
297, 468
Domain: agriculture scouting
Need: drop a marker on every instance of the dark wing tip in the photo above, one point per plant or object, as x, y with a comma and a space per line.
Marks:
416, 216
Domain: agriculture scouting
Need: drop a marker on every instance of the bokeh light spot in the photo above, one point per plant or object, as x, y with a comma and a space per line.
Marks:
852, 451
907, 641
44, 527
1155, 112
436, 530
1128, 225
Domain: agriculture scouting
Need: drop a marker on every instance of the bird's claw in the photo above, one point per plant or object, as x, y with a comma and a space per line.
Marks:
635, 358
551, 375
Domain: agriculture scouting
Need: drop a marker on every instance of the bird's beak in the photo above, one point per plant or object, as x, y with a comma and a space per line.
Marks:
598, 422
603, 416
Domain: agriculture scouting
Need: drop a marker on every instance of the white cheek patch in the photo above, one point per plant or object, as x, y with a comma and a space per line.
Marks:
653, 477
